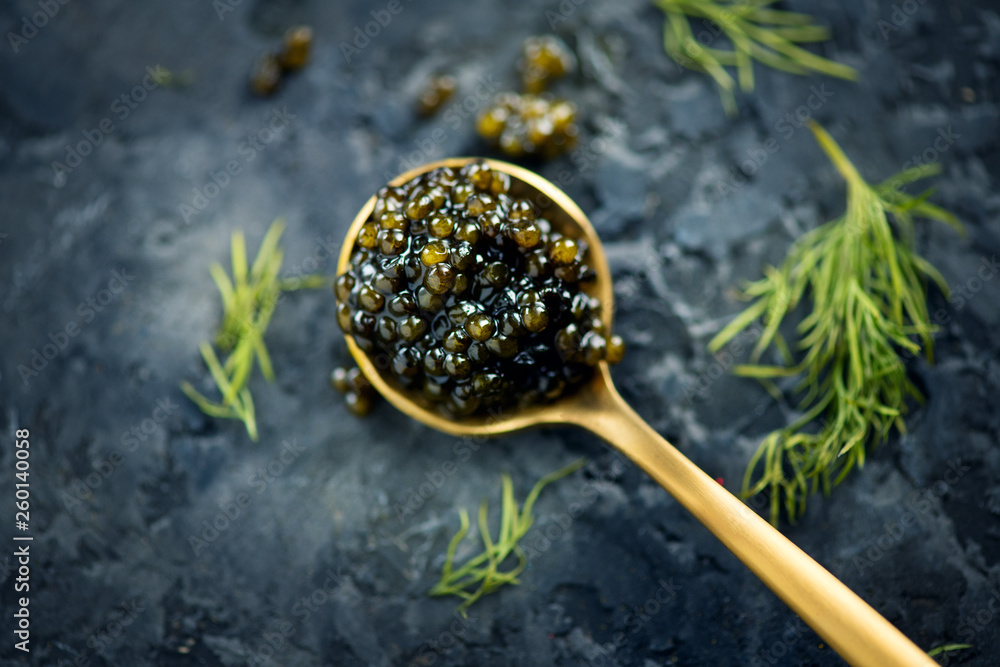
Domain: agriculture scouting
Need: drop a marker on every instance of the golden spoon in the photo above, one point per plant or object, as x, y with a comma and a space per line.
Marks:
856, 631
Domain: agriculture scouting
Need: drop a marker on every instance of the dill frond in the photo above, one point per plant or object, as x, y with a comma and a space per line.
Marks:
754, 32
248, 302
867, 289
482, 574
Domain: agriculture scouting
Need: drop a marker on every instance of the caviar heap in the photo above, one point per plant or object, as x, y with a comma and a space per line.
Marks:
544, 59
462, 293
529, 124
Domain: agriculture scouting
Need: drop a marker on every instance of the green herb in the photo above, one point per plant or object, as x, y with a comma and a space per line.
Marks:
947, 648
168, 79
248, 301
482, 574
755, 32
867, 292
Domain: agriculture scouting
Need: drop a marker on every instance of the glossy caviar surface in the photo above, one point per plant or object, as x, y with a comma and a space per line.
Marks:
529, 125
544, 59
436, 92
467, 296
271, 68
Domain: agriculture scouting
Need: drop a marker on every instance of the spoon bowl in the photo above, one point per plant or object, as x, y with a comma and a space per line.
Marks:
567, 218
856, 631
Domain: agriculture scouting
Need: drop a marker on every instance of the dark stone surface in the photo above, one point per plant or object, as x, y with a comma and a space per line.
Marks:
114, 579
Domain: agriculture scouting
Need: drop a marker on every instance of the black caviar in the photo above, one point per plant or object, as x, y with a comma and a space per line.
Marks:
544, 59
529, 124
437, 90
271, 68
359, 395
465, 294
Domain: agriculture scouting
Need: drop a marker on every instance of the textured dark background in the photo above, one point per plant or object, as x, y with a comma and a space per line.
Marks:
115, 579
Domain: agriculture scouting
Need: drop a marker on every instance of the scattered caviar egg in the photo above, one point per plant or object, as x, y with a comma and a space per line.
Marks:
359, 404
543, 59
436, 92
359, 395
266, 75
529, 124
481, 306
271, 68
616, 349
298, 44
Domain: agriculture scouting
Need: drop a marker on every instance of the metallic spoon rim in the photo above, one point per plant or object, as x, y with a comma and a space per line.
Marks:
498, 421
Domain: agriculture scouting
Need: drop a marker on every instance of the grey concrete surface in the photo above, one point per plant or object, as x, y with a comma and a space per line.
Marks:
318, 567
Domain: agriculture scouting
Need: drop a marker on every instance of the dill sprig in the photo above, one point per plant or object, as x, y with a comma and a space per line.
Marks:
482, 574
248, 302
947, 648
755, 32
867, 291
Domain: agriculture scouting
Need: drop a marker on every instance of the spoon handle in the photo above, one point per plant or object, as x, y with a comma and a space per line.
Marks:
854, 629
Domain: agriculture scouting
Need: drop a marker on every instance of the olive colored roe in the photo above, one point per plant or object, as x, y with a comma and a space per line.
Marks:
544, 59
436, 92
463, 293
529, 125
271, 68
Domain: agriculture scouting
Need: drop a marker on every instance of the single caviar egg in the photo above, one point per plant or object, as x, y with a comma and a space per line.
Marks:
436, 92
